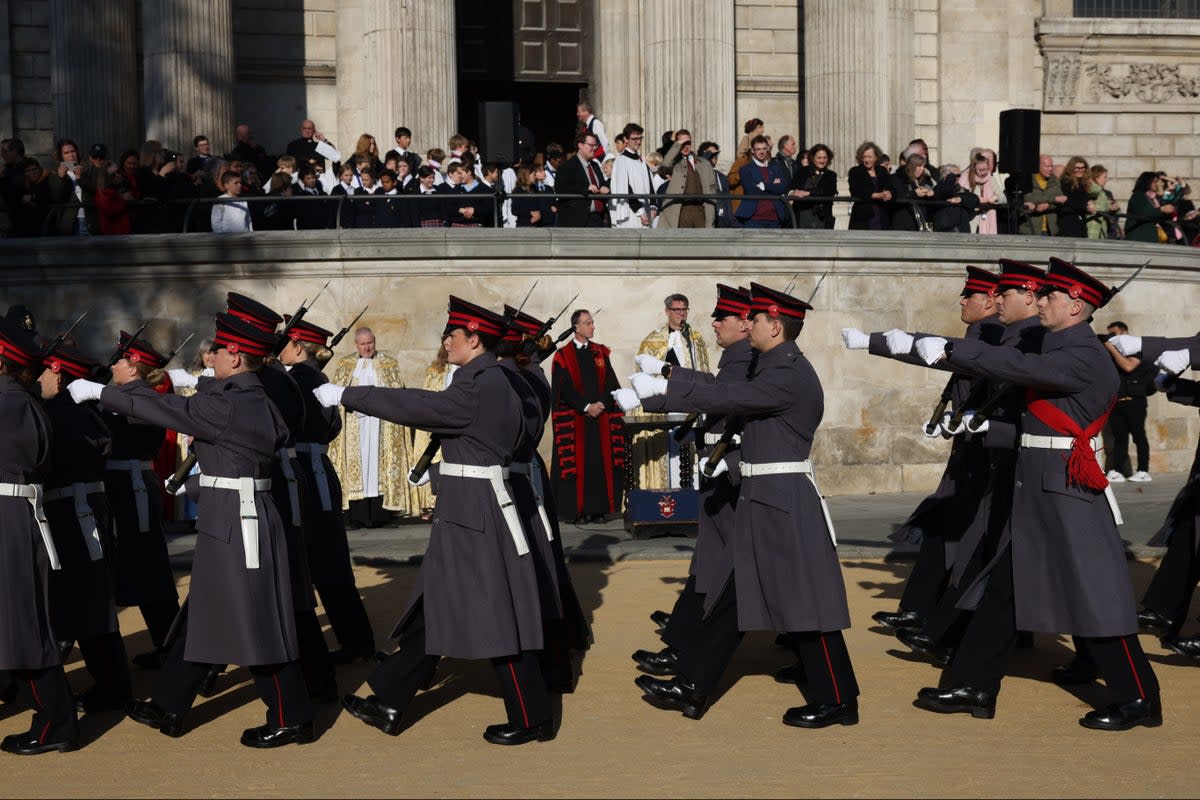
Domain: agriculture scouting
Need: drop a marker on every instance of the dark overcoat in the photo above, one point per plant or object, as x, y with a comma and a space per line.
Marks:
787, 572
479, 595
26, 637
236, 615
1185, 508
1068, 561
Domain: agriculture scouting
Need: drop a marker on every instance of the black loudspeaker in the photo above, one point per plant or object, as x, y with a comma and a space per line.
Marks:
498, 131
1020, 140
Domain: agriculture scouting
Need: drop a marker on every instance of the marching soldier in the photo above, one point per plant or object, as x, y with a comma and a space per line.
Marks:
81, 594
321, 504
143, 567
940, 519
27, 554
477, 595
1059, 565
786, 575
711, 565
240, 608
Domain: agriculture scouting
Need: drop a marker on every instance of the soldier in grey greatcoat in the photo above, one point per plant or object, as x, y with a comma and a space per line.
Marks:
28, 652
477, 595
240, 608
711, 564
786, 575
1059, 564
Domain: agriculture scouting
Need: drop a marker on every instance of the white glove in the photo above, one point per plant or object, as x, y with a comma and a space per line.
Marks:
208, 372
931, 349
717, 470
421, 481
1126, 344
182, 378
1172, 361
181, 490
957, 429
626, 399
329, 394
647, 385
649, 364
967, 429
937, 431
82, 391
855, 339
898, 342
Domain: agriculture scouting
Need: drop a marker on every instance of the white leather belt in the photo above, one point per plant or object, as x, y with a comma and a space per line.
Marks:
1066, 443
749, 470
315, 452
496, 476
713, 438
83, 510
34, 494
141, 496
286, 454
535, 480
245, 487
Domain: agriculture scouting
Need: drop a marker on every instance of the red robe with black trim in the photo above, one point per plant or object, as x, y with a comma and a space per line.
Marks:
589, 452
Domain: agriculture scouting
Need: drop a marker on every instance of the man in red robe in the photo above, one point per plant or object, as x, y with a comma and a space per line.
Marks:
589, 445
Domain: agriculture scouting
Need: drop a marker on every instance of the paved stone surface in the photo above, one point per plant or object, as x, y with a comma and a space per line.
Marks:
611, 744
863, 523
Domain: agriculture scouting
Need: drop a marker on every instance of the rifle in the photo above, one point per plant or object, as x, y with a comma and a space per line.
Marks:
530, 346
282, 339
940, 408
971, 401
569, 332
175, 352
120, 351
62, 337
180, 475
325, 355
721, 447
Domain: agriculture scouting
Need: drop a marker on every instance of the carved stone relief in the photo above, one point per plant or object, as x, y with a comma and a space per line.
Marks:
1146, 83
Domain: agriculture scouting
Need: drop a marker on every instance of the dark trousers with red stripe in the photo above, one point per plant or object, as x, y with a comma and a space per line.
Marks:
687, 617
402, 674
982, 657
281, 686
823, 654
46, 691
1170, 591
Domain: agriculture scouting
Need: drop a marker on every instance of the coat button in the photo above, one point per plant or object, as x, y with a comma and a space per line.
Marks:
1018, 484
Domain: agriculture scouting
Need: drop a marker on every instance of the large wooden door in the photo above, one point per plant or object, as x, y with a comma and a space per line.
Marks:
551, 40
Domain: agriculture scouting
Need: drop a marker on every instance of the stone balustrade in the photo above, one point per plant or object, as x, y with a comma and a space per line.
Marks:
870, 438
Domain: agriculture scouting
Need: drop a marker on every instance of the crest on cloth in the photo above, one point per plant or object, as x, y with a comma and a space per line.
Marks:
666, 506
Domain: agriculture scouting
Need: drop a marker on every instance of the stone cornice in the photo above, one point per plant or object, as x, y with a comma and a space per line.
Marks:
505, 252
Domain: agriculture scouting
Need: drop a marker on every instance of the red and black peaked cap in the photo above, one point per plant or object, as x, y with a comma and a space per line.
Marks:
1066, 277
1019, 275
731, 302
472, 318
70, 361
776, 304
17, 345
252, 311
240, 337
305, 331
522, 324
979, 281
139, 351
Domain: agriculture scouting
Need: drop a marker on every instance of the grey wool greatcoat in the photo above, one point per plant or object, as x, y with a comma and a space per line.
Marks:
712, 559
1068, 561
81, 599
479, 597
787, 573
236, 615
949, 510
26, 640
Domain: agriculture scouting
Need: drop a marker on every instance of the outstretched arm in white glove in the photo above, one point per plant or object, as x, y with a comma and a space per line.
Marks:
1126, 344
626, 399
931, 349
82, 390
649, 364
329, 394
647, 385
182, 379
1174, 361
855, 339
898, 342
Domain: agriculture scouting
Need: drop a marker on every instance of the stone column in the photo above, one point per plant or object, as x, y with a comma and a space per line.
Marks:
403, 72
688, 51
617, 90
93, 73
858, 76
189, 73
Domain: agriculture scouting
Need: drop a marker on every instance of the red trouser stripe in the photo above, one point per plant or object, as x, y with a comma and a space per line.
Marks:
42, 735
837, 694
1132, 668
36, 698
520, 699
278, 698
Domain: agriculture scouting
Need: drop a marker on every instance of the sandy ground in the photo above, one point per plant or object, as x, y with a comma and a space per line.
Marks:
613, 744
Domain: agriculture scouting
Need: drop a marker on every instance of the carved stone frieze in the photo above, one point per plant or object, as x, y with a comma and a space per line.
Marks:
1062, 79
1145, 82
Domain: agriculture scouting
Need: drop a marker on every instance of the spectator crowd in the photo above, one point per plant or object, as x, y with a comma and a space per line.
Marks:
594, 182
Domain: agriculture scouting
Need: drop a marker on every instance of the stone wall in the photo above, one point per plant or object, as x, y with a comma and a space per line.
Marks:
768, 61
869, 440
32, 107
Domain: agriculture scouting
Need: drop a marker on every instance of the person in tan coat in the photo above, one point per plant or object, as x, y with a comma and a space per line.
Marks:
689, 175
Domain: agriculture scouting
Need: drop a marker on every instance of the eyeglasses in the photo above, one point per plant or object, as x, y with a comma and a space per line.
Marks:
682, 310
634, 139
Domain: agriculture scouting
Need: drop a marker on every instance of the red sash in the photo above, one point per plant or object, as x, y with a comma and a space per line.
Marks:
1083, 468
612, 446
